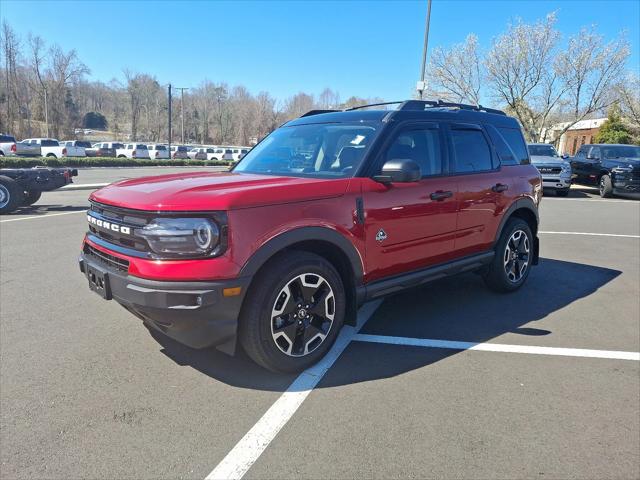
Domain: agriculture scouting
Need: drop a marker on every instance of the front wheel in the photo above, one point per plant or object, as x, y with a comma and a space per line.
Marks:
562, 193
293, 313
511, 264
606, 189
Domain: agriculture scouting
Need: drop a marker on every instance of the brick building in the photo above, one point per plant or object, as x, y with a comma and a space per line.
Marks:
581, 133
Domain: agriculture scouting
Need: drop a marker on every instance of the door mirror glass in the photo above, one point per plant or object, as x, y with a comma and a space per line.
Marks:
399, 171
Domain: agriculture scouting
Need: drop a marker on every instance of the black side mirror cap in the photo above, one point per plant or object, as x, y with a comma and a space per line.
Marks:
399, 171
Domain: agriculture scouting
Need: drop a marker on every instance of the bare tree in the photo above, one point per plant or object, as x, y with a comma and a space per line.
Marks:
456, 73
590, 71
520, 72
629, 92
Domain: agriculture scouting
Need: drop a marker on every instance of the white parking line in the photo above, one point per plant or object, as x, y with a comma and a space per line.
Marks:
41, 216
250, 447
608, 200
497, 347
589, 233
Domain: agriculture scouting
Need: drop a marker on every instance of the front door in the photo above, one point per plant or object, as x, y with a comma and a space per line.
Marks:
410, 226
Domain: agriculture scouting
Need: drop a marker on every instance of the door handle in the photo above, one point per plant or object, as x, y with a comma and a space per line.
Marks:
500, 187
440, 195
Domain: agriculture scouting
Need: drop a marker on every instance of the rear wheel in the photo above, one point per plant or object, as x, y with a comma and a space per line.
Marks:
31, 197
51, 155
11, 194
606, 189
512, 262
293, 314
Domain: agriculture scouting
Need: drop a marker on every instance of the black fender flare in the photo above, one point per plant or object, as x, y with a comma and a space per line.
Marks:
521, 203
301, 234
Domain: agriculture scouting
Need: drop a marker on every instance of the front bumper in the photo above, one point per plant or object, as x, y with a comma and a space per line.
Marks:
196, 314
556, 183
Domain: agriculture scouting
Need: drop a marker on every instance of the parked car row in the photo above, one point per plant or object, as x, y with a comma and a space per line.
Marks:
50, 147
614, 169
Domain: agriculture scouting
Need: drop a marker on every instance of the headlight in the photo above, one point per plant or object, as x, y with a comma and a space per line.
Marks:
566, 167
181, 236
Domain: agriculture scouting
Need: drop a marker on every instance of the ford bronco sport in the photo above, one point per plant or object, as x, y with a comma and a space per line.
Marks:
331, 210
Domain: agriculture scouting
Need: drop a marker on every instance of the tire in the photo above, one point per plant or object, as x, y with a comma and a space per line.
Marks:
562, 193
282, 293
605, 187
31, 197
11, 195
121, 156
51, 155
511, 264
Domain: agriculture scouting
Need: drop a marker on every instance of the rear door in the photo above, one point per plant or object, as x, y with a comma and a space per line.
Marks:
482, 187
410, 225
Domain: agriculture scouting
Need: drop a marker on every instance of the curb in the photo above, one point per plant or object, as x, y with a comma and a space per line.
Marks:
83, 186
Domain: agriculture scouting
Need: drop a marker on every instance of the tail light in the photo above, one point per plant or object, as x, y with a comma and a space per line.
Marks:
157, 153
175, 155
133, 154
64, 151
13, 148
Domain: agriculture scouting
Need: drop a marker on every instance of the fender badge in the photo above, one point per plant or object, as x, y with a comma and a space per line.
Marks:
381, 236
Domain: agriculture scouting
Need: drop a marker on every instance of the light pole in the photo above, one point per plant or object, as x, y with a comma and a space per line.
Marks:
182, 89
422, 85
169, 108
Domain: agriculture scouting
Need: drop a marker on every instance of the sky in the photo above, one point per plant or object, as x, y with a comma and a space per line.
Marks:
361, 48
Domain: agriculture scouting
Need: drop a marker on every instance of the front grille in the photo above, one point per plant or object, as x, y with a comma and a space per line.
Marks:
124, 218
107, 259
550, 170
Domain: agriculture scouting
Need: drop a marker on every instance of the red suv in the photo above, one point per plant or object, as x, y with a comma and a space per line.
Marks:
331, 210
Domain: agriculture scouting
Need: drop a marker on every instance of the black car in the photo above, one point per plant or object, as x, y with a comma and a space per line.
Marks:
615, 169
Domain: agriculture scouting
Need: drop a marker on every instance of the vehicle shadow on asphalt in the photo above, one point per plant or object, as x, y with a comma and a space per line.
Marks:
36, 210
459, 308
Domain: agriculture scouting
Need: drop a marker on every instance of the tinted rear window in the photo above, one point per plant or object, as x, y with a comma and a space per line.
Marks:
471, 151
160, 147
182, 149
7, 139
49, 143
83, 144
513, 137
141, 147
117, 145
228, 151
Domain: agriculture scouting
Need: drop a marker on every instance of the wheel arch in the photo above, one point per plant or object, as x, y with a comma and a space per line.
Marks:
322, 241
526, 210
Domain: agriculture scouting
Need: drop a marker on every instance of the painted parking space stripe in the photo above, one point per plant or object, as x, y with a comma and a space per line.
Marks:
589, 233
497, 347
250, 447
41, 216
592, 200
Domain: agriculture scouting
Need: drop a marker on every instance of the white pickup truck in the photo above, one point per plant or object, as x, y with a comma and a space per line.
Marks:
50, 147
133, 150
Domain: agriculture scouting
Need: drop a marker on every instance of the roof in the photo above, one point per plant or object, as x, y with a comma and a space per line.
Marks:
581, 125
354, 116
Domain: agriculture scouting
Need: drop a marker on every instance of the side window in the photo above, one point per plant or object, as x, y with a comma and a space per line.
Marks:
505, 154
594, 154
470, 151
515, 140
422, 145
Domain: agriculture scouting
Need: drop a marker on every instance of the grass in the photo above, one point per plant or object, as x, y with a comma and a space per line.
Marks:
21, 162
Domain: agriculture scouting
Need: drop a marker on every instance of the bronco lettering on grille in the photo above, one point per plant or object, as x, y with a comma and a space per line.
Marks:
108, 225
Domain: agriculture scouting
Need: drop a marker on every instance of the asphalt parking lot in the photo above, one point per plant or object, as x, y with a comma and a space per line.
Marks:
541, 383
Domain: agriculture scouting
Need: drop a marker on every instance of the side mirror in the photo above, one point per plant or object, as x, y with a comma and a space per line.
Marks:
564, 156
399, 171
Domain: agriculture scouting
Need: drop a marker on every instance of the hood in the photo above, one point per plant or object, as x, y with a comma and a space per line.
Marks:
547, 160
202, 191
628, 162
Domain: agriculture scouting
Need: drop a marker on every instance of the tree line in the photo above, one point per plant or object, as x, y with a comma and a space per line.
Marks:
530, 71
44, 91
539, 77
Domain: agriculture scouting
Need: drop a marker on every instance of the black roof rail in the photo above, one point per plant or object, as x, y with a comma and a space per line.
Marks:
317, 112
414, 105
422, 104
372, 105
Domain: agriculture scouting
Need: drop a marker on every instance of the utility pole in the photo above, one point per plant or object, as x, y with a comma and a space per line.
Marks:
46, 111
182, 89
169, 119
422, 85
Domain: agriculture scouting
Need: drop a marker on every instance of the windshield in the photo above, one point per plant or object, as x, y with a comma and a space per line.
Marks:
320, 150
630, 151
542, 150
